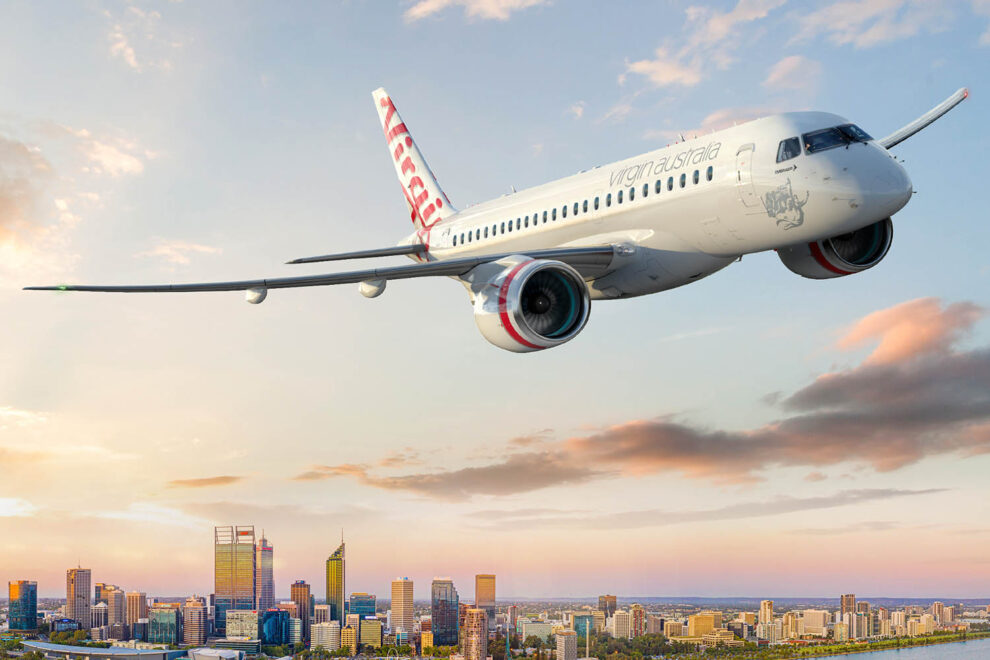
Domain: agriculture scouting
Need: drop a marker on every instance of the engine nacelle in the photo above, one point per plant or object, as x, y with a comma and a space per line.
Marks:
841, 255
531, 304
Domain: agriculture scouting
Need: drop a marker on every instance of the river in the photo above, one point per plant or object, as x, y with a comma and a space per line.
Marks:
974, 648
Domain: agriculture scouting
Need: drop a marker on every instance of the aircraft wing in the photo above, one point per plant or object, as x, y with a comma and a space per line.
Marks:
924, 120
583, 259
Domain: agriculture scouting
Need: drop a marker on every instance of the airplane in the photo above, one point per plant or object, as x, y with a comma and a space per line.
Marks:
812, 186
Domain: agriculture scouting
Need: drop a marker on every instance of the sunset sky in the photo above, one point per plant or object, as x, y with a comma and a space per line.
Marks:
754, 434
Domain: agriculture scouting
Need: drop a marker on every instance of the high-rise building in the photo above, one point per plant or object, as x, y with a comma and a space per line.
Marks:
234, 572
607, 605
243, 624
274, 627
621, 624
362, 604
701, 623
815, 622
98, 592
295, 630
336, 584
426, 640
484, 595
673, 629
474, 641
78, 582
99, 615
654, 624
371, 632
195, 623
567, 645
847, 604
638, 622
300, 595
937, 610
444, 603
22, 615
402, 606
862, 606
325, 634
165, 625
265, 579
137, 606
512, 614
116, 605
349, 640
766, 611
321, 614
289, 606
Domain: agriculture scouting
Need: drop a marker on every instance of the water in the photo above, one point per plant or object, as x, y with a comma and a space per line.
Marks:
976, 648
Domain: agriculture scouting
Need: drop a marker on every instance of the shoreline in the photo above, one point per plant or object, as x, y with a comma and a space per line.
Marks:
931, 641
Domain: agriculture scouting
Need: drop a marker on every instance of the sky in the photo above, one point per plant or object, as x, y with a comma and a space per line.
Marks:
753, 434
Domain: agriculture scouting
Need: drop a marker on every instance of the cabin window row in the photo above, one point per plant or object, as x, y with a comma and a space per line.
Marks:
523, 222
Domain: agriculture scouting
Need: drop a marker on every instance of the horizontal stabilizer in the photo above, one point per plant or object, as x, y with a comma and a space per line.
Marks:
363, 254
924, 120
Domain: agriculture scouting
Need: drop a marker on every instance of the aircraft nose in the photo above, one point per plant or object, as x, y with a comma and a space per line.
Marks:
891, 188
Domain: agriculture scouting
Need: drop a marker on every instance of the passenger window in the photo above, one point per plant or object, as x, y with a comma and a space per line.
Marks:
646, 189
596, 203
618, 197
608, 199
526, 222
518, 224
455, 240
486, 232
584, 208
787, 149
470, 236
544, 217
670, 183
563, 212
553, 216
462, 239
696, 177
683, 180
710, 173
502, 229
632, 194
659, 186
477, 234
575, 208
510, 225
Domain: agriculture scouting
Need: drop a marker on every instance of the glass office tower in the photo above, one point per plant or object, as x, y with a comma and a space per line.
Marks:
335, 585
444, 608
23, 613
362, 604
235, 572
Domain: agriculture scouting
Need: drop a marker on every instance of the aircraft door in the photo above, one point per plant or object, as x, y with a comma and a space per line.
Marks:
744, 175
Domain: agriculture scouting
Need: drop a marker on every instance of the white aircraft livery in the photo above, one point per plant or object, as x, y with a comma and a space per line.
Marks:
811, 185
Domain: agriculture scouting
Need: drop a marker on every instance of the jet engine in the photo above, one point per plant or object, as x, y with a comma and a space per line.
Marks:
531, 304
845, 254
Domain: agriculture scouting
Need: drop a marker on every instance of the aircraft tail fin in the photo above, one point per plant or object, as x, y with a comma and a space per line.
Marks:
427, 202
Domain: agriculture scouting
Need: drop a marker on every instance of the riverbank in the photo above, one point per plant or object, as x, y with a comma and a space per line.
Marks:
902, 643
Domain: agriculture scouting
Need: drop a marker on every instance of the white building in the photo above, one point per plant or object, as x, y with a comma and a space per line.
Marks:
540, 629
621, 625
567, 645
295, 630
325, 634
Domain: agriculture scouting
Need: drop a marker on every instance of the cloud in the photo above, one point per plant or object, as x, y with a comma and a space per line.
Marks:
867, 23
408, 456
794, 72
205, 482
24, 176
154, 514
140, 39
912, 329
113, 159
13, 417
854, 528
662, 517
577, 109
11, 507
177, 252
715, 121
499, 10
519, 473
908, 401
711, 38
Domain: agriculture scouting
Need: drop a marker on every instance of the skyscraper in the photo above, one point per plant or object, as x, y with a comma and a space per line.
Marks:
98, 596
484, 595
194, 622
474, 645
116, 605
165, 625
402, 606
78, 582
362, 604
766, 611
607, 605
264, 562
336, 584
137, 606
847, 604
23, 613
235, 571
638, 620
443, 609
299, 592
567, 645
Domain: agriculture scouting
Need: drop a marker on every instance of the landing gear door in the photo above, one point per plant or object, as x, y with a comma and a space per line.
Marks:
744, 175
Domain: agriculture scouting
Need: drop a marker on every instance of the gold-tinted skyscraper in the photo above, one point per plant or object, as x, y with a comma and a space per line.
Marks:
299, 592
766, 611
77, 603
402, 606
484, 595
847, 604
234, 571
336, 584
137, 606
607, 604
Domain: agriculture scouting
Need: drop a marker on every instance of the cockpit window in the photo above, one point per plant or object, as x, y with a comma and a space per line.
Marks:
854, 132
827, 138
787, 149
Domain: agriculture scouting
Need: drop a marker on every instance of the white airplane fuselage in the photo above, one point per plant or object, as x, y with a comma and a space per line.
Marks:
691, 208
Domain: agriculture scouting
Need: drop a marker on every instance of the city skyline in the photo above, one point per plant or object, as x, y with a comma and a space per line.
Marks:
754, 433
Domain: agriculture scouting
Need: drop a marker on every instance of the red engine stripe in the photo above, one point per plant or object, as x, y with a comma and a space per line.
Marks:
504, 314
819, 256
